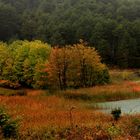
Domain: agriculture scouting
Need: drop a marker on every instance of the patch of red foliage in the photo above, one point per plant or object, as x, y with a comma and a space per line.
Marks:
3, 81
136, 89
134, 85
131, 84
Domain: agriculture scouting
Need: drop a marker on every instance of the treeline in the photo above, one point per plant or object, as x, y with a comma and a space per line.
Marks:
37, 65
112, 26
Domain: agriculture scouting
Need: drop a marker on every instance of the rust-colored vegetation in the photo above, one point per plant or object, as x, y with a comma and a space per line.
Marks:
45, 114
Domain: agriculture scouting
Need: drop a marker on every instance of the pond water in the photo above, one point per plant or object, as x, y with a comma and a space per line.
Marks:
127, 106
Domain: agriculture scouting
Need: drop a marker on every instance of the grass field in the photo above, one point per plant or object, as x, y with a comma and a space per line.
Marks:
65, 115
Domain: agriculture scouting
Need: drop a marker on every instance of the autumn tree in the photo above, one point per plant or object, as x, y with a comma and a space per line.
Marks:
58, 67
4, 57
23, 62
26, 59
76, 66
89, 69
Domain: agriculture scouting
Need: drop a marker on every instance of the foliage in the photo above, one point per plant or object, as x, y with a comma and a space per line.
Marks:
27, 58
9, 22
76, 66
9, 84
22, 63
5, 59
8, 126
116, 113
112, 26
114, 131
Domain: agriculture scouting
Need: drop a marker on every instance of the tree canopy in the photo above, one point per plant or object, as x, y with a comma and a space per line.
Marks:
76, 66
35, 64
23, 62
112, 26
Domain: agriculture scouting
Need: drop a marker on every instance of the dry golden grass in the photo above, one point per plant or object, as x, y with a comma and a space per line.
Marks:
37, 112
111, 92
111, 88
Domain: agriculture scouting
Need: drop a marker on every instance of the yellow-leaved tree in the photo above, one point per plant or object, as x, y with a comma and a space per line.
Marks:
29, 60
5, 60
76, 66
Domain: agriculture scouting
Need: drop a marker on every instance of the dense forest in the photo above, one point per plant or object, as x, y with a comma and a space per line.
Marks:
111, 26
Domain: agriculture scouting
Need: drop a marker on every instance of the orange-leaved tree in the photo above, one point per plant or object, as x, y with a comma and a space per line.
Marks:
58, 67
76, 66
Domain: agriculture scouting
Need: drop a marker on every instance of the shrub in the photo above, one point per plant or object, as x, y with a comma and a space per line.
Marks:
116, 113
114, 131
9, 127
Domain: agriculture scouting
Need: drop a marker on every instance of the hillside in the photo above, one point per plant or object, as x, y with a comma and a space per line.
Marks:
112, 26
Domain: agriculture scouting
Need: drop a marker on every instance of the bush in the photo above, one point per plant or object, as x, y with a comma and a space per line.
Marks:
9, 127
116, 113
114, 131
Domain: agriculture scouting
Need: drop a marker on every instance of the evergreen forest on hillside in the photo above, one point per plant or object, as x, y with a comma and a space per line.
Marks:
111, 26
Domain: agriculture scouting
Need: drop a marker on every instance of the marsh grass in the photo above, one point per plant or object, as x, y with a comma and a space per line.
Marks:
46, 114
124, 85
118, 75
101, 97
48, 117
112, 92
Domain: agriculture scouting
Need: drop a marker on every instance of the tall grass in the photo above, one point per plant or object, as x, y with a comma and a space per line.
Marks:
49, 117
118, 76
111, 92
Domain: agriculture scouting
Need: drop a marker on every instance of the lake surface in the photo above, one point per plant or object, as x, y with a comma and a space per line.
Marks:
127, 106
